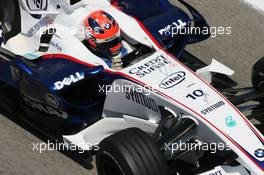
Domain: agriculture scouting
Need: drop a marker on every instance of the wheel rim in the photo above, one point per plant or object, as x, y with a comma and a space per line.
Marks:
110, 167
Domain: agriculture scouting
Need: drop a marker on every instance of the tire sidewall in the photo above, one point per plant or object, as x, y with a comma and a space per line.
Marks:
133, 151
115, 156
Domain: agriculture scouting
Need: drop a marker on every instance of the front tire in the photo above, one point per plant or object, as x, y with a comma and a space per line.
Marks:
130, 152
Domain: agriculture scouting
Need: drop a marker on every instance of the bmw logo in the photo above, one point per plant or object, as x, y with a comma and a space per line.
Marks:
107, 26
259, 153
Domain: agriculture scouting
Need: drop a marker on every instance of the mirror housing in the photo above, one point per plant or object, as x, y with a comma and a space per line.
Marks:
97, 70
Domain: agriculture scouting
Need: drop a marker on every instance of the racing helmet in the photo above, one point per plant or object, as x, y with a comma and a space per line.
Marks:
103, 33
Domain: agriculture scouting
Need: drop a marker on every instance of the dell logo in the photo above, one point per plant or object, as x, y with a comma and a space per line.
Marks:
68, 81
173, 80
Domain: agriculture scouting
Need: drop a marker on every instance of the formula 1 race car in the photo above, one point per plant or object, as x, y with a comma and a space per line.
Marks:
162, 113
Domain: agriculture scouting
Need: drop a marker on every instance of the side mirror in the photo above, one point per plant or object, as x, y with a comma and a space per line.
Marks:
24, 64
95, 70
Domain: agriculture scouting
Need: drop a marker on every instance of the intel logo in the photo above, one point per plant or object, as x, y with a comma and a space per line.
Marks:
173, 80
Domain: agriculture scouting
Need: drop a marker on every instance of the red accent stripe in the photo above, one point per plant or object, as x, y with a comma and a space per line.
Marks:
230, 139
62, 56
154, 40
131, 78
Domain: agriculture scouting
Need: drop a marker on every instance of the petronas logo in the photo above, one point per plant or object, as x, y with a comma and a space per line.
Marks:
37, 5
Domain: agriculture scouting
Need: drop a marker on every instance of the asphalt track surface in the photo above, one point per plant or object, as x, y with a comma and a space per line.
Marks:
239, 51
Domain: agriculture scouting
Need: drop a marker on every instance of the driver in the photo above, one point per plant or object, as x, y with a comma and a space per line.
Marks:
104, 38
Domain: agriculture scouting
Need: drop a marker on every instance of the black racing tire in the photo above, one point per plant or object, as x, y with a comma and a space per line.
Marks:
258, 75
130, 152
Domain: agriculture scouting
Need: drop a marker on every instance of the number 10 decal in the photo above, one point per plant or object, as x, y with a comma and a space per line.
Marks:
196, 94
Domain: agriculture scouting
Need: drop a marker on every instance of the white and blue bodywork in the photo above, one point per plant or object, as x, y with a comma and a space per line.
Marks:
61, 84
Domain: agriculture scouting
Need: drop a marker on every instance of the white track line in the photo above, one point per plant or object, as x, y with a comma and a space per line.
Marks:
257, 4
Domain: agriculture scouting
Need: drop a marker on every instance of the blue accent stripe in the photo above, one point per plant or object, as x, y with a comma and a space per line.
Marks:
260, 163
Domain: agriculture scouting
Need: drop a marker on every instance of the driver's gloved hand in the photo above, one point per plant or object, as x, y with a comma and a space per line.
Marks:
117, 62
